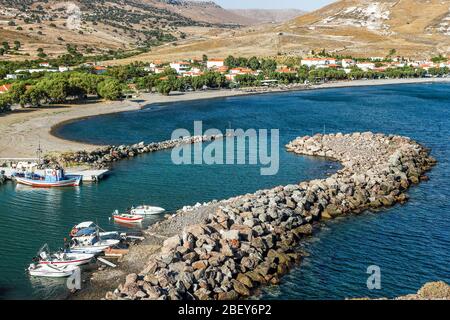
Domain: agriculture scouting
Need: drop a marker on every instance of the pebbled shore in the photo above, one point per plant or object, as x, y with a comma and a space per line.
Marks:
228, 249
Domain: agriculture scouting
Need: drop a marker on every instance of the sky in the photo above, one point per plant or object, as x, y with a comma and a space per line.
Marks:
307, 5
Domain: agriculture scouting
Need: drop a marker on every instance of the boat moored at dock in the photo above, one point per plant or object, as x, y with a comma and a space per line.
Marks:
51, 271
52, 178
146, 210
127, 218
45, 257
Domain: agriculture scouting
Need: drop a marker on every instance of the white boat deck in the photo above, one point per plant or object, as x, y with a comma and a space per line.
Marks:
87, 175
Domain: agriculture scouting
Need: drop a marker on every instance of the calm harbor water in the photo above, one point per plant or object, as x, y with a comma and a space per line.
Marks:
409, 243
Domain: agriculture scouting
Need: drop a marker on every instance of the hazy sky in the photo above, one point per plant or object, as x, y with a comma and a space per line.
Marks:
274, 4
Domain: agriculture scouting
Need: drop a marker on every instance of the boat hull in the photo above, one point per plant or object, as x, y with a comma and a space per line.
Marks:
147, 211
128, 219
83, 259
75, 182
51, 272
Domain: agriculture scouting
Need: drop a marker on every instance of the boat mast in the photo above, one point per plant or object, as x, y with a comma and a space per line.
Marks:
39, 152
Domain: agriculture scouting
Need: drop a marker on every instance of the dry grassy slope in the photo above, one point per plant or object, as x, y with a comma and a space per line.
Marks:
360, 27
204, 11
268, 15
123, 27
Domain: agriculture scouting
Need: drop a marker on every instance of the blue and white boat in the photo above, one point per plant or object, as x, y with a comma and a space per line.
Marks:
52, 178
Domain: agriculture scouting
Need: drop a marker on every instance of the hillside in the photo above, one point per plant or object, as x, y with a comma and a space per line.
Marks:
268, 15
96, 26
413, 28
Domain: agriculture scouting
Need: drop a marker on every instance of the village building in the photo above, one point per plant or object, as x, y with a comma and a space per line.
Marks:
348, 63
181, 66
5, 88
215, 63
318, 62
99, 70
366, 66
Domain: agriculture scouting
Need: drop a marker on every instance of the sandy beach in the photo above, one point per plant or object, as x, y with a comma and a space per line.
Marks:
24, 129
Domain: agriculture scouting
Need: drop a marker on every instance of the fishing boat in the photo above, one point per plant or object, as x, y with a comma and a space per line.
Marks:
92, 245
127, 218
62, 258
90, 229
146, 210
52, 178
47, 270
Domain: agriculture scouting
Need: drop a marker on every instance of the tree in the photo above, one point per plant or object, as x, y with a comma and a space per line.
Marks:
17, 45
392, 52
205, 58
5, 103
164, 87
2, 51
230, 62
269, 65
110, 89
253, 63
5, 45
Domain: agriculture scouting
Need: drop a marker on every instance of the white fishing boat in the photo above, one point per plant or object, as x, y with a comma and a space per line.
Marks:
127, 218
146, 210
44, 257
92, 245
47, 270
90, 229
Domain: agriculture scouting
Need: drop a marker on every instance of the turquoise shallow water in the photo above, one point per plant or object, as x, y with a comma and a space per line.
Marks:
409, 243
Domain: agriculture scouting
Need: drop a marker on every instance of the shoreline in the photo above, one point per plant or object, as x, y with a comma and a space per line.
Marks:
25, 129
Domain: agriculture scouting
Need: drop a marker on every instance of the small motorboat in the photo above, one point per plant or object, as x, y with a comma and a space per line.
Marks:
146, 210
52, 178
47, 270
62, 258
90, 229
91, 245
127, 218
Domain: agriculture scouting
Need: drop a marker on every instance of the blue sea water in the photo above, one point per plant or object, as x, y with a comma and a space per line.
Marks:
409, 243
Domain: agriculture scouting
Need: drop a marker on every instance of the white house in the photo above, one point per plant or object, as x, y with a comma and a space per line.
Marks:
365, 66
44, 65
348, 63
35, 70
318, 62
215, 63
12, 76
181, 66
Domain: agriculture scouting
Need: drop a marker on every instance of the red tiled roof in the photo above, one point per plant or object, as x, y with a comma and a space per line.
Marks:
5, 88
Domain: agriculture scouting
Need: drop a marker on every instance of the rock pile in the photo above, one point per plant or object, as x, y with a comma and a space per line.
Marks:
249, 241
103, 157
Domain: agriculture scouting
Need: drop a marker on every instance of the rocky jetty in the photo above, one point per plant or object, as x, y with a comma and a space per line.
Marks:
227, 249
438, 290
103, 157
430, 291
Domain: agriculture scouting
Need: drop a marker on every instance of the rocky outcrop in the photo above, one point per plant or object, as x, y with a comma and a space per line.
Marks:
227, 249
103, 157
430, 291
438, 290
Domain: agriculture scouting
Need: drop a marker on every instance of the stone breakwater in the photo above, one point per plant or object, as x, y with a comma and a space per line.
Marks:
227, 249
103, 157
